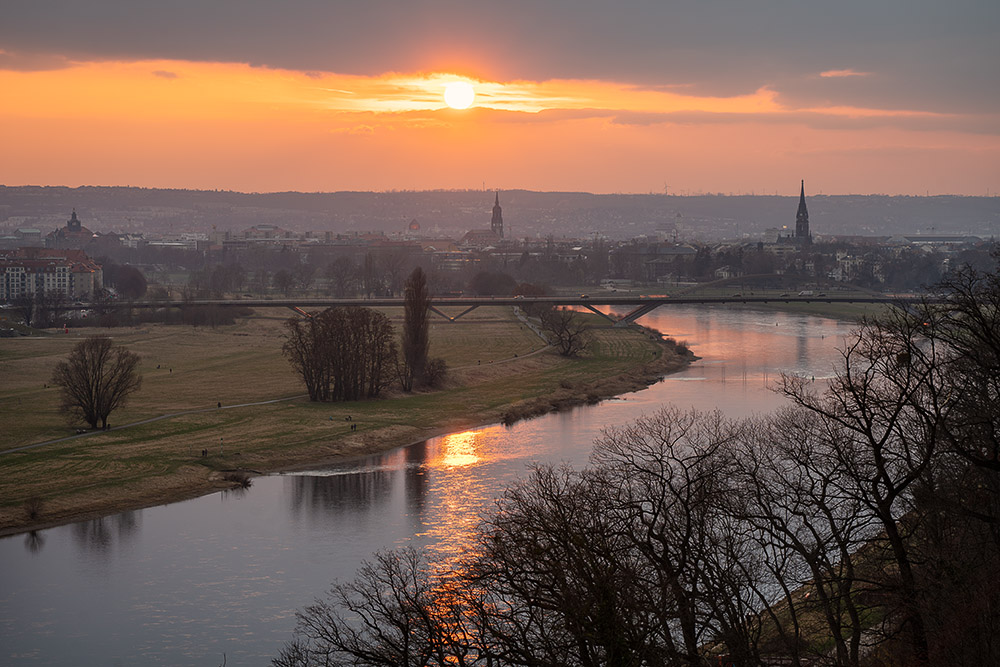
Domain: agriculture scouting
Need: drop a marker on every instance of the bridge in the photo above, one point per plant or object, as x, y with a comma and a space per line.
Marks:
638, 305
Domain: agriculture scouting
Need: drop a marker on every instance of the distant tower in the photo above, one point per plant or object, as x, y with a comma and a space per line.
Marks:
497, 223
802, 219
73, 224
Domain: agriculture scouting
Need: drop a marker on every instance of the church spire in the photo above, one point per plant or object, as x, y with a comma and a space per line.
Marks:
496, 224
802, 218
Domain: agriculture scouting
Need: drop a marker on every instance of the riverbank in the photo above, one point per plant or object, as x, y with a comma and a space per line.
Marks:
498, 369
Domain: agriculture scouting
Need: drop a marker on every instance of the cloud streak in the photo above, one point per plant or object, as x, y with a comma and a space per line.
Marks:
842, 73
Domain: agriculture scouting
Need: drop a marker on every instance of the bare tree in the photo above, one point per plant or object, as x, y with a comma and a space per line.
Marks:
303, 275
24, 305
803, 515
261, 279
394, 614
557, 582
570, 334
961, 337
669, 473
415, 329
887, 447
306, 349
341, 273
392, 264
97, 378
284, 280
371, 279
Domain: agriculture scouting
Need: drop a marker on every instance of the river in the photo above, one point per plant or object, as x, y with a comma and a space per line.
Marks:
218, 578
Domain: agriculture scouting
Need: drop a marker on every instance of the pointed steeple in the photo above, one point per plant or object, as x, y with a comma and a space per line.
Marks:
802, 218
496, 224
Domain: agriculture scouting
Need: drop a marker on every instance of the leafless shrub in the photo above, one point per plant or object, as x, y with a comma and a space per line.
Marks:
33, 507
240, 478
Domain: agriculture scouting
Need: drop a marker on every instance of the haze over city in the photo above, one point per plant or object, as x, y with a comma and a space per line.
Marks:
687, 97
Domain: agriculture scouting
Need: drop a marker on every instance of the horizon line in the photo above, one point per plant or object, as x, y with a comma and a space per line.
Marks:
682, 194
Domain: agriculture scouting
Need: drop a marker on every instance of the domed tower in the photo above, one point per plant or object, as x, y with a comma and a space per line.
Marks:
497, 223
73, 224
802, 219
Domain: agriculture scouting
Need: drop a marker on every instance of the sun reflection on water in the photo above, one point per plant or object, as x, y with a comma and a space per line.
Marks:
459, 449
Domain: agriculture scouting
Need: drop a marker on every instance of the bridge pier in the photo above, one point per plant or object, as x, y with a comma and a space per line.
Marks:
636, 313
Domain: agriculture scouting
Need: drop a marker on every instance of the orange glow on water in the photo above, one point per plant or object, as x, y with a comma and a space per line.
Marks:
459, 449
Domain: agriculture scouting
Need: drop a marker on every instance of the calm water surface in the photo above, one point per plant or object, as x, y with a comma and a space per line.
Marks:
222, 575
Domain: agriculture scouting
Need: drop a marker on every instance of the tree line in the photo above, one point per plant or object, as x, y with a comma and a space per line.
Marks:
860, 525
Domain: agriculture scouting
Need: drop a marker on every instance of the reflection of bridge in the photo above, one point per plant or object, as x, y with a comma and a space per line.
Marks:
640, 305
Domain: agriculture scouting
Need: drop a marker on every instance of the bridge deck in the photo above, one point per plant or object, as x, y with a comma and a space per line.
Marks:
639, 305
388, 302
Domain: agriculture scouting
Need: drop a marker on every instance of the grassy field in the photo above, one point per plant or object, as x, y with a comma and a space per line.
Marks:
494, 361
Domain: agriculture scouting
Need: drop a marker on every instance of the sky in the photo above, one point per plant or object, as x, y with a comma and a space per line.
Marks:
682, 97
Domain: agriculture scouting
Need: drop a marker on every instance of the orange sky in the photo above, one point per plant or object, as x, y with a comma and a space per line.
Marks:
175, 123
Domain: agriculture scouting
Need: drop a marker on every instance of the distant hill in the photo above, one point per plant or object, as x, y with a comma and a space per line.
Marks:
525, 213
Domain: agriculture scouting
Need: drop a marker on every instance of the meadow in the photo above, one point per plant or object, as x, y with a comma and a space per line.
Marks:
190, 446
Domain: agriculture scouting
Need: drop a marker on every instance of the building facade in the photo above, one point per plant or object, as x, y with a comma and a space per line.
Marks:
65, 272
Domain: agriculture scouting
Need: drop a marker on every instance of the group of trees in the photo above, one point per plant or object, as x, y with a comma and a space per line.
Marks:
342, 354
39, 309
860, 525
128, 281
346, 354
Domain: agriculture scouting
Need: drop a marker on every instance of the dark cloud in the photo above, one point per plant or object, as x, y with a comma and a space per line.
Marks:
164, 74
923, 54
32, 62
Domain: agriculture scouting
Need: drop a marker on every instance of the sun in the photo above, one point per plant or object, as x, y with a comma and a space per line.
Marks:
459, 95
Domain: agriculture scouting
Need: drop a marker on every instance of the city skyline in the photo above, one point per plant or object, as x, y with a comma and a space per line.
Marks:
744, 98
